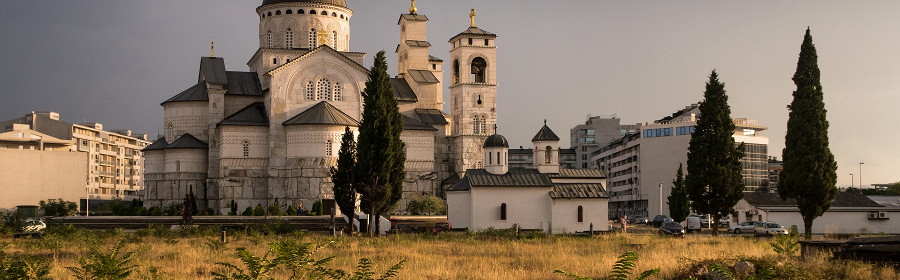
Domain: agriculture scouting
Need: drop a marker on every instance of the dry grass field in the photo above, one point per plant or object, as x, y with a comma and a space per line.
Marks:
193, 255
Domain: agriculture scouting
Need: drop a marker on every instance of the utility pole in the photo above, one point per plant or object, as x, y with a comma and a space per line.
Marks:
860, 174
660, 199
851, 180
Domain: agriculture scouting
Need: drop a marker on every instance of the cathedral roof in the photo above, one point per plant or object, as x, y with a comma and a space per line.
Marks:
578, 173
194, 93
512, 178
159, 144
252, 115
578, 191
431, 116
496, 141
402, 90
410, 123
322, 114
322, 48
545, 134
212, 70
243, 83
434, 58
339, 3
188, 141
474, 32
412, 17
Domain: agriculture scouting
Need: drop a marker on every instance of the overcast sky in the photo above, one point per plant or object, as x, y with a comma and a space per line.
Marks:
114, 61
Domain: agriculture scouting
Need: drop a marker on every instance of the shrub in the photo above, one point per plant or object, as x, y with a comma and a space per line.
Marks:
58, 207
275, 209
100, 265
155, 211
248, 211
17, 266
425, 204
258, 211
317, 208
291, 211
10, 221
234, 208
141, 211
621, 270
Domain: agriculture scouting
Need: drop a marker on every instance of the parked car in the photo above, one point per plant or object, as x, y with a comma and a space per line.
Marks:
402, 228
34, 226
671, 228
439, 227
693, 224
723, 222
755, 227
660, 219
774, 228
637, 219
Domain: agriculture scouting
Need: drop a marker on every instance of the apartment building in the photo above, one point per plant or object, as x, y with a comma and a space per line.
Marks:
642, 165
115, 161
36, 166
522, 158
595, 133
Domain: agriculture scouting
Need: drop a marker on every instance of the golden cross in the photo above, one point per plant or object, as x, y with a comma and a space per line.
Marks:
212, 49
323, 37
472, 16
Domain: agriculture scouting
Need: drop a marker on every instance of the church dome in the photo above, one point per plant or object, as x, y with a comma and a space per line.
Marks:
339, 3
496, 141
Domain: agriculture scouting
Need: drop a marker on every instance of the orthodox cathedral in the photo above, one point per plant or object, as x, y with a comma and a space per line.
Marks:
274, 132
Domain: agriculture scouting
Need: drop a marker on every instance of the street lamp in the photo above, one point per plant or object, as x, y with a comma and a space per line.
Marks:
660, 199
860, 173
851, 180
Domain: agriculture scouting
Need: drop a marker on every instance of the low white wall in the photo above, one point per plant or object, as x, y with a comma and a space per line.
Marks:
527, 206
840, 222
459, 209
565, 215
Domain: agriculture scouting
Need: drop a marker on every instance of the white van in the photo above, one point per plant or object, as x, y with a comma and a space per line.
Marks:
693, 224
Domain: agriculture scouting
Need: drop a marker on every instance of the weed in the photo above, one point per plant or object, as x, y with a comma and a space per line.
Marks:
99, 265
621, 270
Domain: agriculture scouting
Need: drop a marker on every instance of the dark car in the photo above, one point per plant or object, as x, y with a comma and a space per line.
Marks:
660, 219
438, 227
671, 228
402, 228
637, 219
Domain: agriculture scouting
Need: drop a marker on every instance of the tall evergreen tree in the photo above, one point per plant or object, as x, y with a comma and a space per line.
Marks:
342, 176
679, 202
809, 174
714, 181
380, 153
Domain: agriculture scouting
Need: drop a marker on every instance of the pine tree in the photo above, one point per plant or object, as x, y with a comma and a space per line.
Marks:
679, 202
809, 174
714, 181
342, 176
380, 155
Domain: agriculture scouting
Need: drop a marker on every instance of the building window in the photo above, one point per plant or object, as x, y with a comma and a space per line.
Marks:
288, 38
455, 71
310, 91
312, 36
503, 211
275, 60
470, 41
177, 165
269, 39
278, 12
475, 126
498, 158
334, 41
580, 214
323, 89
548, 154
288, 12
246, 148
324, 13
486, 42
337, 92
479, 66
328, 148
483, 121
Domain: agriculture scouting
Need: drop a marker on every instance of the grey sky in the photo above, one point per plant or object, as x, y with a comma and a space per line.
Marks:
114, 61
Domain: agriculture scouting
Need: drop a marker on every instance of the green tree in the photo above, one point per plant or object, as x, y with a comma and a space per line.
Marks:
809, 174
679, 202
380, 156
425, 204
714, 181
342, 176
58, 207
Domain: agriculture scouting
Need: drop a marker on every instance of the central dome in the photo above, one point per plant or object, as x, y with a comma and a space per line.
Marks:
339, 3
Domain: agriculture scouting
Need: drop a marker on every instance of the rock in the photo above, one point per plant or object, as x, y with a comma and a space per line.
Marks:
744, 268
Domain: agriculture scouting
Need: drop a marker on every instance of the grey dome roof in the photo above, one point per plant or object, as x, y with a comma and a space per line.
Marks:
496, 141
339, 3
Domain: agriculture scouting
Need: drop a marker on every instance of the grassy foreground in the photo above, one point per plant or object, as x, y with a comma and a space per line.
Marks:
193, 254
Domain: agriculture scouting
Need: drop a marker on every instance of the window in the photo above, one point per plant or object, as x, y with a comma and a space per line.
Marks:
270, 13
334, 41
323, 89
580, 214
337, 92
300, 12
275, 60
548, 154
177, 165
312, 37
498, 158
288, 38
324, 13
470, 41
310, 91
328, 145
269, 39
503, 211
312, 12
246, 148
483, 124
476, 126
333, 14
478, 68
455, 71
490, 159
486, 42
288, 12
278, 12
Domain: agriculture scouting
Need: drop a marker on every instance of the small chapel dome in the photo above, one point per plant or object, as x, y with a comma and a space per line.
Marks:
496, 141
339, 3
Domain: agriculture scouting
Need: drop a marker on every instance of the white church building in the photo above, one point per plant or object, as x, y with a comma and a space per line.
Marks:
546, 197
273, 132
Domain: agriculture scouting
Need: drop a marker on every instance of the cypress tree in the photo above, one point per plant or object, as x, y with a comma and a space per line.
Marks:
679, 203
342, 176
809, 174
380, 156
714, 181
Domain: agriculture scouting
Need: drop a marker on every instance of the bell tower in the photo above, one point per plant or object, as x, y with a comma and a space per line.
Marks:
473, 94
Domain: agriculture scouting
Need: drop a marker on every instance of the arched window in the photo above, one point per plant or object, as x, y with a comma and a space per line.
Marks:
342, 16
278, 12
476, 126
269, 39
479, 67
323, 89
312, 38
300, 12
177, 165
548, 154
334, 41
333, 14
270, 13
503, 211
310, 91
275, 60
328, 145
490, 159
337, 92
312, 12
580, 214
246, 148
498, 158
288, 38
288, 12
324, 13
455, 71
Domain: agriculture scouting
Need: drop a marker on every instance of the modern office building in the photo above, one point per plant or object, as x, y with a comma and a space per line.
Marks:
595, 133
115, 163
642, 165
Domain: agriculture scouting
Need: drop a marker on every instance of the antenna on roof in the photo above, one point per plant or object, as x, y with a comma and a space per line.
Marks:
212, 49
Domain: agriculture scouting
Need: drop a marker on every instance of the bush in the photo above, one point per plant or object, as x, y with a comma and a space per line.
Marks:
275, 209
141, 211
258, 211
100, 265
10, 221
155, 211
17, 266
58, 207
291, 211
317, 208
234, 208
425, 204
248, 211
